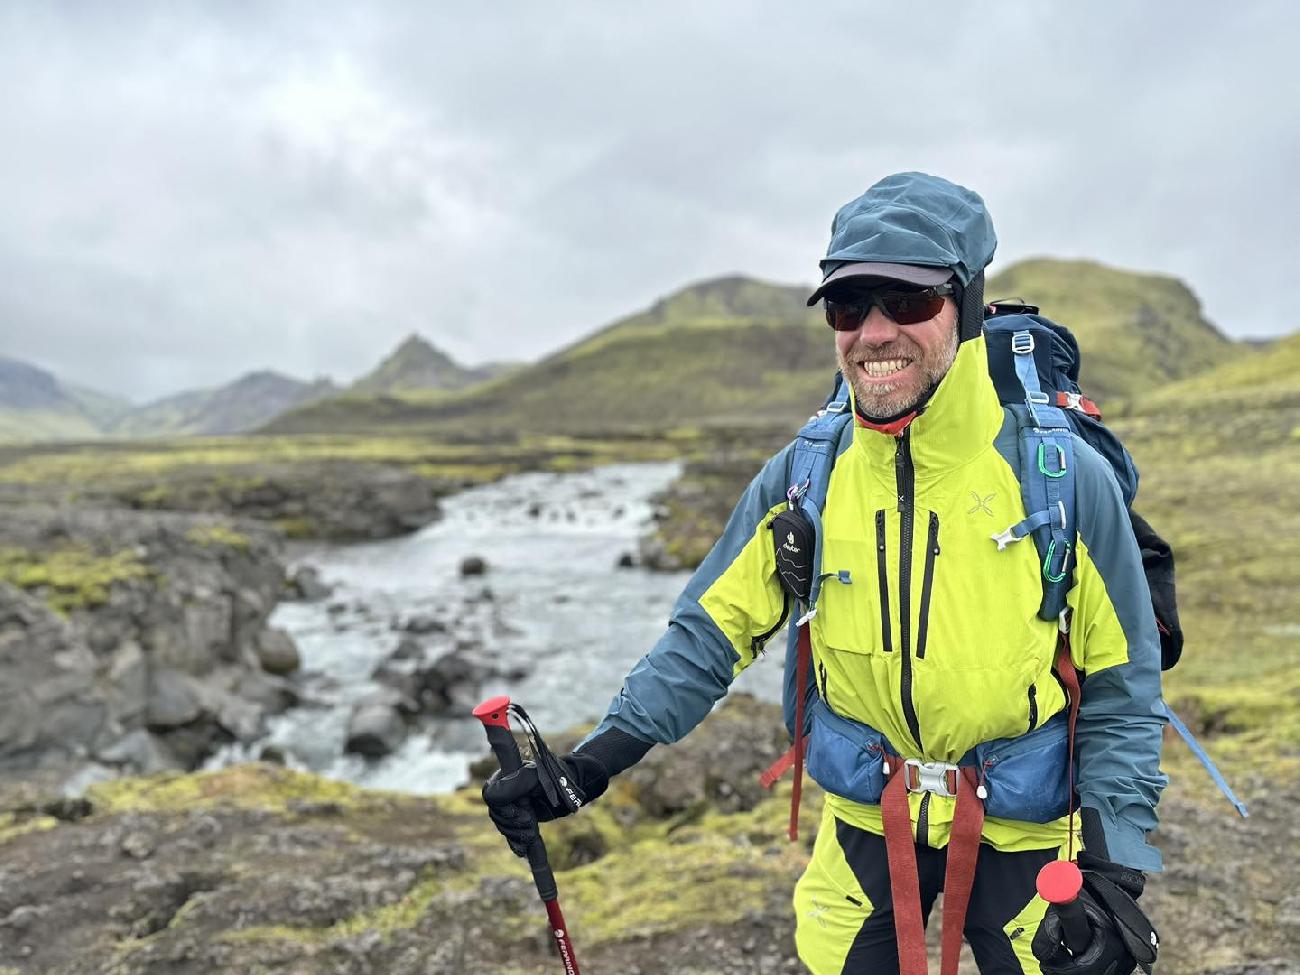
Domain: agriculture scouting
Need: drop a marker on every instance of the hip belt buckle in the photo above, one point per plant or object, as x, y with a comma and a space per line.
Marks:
939, 778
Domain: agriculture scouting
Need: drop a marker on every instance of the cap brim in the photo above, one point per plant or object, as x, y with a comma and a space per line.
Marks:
908, 273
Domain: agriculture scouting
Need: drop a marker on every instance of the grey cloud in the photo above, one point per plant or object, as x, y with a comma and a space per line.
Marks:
193, 191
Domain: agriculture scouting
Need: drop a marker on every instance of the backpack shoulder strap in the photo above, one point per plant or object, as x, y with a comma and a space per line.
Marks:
811, 462
1046, 453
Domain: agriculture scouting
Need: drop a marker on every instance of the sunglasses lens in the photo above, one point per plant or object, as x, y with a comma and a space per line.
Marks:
911, 309
843, 317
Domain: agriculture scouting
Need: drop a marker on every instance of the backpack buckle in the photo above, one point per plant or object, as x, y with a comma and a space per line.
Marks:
1022, 343
939, 778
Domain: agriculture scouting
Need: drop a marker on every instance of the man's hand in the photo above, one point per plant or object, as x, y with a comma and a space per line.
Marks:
519, 801
1122, 936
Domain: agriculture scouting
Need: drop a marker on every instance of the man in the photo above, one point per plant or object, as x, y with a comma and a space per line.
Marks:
926, 640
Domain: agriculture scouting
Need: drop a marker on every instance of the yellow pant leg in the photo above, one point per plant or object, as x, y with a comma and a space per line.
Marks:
830, 906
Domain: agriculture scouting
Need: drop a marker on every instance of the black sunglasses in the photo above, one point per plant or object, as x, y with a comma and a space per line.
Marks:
905, 307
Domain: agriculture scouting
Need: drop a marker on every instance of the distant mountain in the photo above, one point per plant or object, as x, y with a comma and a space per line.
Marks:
36, 405
737, 350
238, 407
417, 365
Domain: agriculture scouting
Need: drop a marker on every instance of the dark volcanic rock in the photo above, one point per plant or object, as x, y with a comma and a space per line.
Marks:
376, 727
165, 622
473, 565
52, 709
304, 585
277, 653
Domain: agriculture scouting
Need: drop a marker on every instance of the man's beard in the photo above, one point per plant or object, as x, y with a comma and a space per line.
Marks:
877, 403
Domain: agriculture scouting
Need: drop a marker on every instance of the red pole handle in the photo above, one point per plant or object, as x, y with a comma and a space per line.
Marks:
1059, 883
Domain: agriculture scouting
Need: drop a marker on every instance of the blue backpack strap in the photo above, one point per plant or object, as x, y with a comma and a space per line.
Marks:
1046, 480
816, 447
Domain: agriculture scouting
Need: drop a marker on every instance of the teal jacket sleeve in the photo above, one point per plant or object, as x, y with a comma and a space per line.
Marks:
1114, 636
674, 686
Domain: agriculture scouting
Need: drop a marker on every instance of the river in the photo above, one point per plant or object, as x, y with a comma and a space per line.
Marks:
553, 602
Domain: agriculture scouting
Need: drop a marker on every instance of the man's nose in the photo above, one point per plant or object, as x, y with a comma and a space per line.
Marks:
877, 328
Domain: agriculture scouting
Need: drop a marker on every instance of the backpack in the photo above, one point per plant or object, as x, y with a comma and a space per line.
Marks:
1034, 363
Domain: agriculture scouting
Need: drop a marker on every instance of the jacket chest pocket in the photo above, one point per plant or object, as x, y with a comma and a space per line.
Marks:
853, 608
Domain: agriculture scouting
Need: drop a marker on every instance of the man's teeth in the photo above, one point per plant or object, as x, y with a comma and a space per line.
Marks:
884, 367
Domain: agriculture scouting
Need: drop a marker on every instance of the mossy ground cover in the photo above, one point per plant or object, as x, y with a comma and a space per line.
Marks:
70, 576
58, 466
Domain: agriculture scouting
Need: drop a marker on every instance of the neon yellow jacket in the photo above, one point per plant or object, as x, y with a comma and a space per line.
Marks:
935, 640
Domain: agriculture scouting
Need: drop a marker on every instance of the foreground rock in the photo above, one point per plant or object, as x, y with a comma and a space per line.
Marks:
136, 640
257, 868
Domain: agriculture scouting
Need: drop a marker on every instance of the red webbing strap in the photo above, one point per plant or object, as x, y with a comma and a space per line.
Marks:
959, 875
904, 881
773, 773
1070, 678
804, 654
1085, 405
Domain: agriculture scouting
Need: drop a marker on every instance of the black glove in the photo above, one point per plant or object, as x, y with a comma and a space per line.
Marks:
1122, 935
519, 801
553, 787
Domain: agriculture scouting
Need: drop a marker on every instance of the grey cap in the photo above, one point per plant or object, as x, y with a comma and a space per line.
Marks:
867, 270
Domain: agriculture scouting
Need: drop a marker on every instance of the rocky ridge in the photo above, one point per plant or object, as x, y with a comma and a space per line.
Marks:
135, 642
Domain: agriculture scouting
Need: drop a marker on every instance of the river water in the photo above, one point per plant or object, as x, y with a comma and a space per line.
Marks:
552, 601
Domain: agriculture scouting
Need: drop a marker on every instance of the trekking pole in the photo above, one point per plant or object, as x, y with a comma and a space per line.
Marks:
495, 715
1059, 883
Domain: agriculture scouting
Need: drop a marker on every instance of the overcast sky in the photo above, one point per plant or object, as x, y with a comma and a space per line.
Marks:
192, 191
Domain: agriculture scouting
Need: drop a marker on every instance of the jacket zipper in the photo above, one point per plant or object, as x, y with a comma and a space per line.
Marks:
821, 670
931, 550
882, 570
905, 477
759, 642
1033, 706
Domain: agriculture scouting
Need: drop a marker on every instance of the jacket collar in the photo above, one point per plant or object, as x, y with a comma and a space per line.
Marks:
961, 420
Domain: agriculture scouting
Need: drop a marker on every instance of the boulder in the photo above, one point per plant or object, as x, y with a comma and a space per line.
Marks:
422, 623
375, 729
277, 653
473, 565
173, 700
50, 707
304, 585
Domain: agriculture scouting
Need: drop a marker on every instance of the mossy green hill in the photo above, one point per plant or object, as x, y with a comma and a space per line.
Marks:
1136, 331
737, 350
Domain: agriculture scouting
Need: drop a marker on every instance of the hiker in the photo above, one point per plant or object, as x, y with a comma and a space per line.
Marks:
938, 693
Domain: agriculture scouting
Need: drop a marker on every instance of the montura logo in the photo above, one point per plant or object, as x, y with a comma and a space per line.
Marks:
789, 545
982, 504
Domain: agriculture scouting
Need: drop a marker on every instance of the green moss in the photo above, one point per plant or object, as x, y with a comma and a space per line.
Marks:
70, 577
218, 535
253, 786
402, 914
298, 528
13, 826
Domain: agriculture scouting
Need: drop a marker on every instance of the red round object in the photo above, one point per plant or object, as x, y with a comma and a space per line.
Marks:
1060, 881
494, 711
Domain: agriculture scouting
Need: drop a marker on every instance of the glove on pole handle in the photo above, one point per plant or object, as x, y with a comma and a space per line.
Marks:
495, 715
1059, 883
